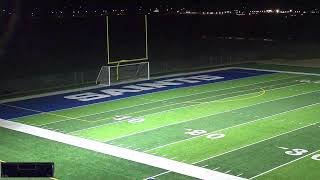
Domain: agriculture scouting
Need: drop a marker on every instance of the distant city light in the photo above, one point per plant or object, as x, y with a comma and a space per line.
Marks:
165, 9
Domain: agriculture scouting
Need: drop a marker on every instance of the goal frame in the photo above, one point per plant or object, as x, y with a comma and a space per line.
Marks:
108, 68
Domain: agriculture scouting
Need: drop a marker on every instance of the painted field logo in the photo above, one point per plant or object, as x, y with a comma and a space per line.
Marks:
142, 87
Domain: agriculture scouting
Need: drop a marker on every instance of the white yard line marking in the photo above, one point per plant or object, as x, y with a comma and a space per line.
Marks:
175, 75
158, 107
227, 171
256, 142
284, 164
208, 116
246, 123
220, 100
284, 148
167, 98
49, 113
248, 146
197, 99
139, 157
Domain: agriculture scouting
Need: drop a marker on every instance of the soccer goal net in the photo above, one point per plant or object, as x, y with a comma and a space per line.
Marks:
109, 75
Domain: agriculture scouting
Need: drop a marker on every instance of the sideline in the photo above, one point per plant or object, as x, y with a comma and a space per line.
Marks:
139, 157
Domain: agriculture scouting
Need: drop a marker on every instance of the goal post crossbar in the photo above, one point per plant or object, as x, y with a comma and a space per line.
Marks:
111, 62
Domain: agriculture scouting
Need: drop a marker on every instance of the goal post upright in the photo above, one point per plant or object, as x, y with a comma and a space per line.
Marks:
115, 67
108, 39
146, 50
146, 35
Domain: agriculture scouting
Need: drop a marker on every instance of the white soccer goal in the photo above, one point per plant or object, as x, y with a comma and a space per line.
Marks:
109, 75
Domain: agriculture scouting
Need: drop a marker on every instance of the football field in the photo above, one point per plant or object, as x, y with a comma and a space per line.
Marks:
247, 123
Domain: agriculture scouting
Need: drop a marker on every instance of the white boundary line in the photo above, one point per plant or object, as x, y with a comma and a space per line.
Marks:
269, 70
139, 157
160, 77
163, 100
166, 76
252, 145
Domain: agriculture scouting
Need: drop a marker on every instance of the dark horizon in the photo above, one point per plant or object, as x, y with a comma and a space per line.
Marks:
217, 4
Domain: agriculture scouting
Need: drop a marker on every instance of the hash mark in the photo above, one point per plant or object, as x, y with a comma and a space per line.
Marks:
227, 171
216, 168
239, 174
284, 148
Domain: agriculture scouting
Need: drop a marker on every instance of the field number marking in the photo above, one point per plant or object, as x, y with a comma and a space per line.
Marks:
300, 152
316, 157
198, 132
296, 152
129, 119
308, 81
195, 132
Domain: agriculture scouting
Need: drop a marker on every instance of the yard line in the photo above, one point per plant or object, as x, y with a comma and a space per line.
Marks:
242, 124
194, 163
169, 104
139, 157
189, 101
256, 142
187, 107
202, 92
284, 164
49, 113
167, 98
158, 107
139, 132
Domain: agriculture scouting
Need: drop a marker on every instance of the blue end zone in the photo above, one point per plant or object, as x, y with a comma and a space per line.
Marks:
58, 102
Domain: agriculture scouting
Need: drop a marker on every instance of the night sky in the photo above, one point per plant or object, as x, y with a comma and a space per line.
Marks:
172, 3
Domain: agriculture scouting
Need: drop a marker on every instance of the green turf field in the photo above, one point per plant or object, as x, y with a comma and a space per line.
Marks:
264, 127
